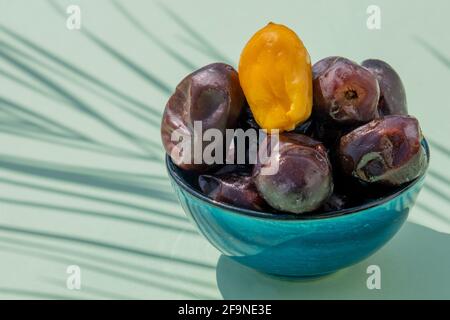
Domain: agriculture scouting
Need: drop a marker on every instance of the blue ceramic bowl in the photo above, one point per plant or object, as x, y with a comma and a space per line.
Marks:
292, 245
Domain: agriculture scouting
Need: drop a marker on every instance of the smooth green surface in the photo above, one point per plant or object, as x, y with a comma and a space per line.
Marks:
82, 179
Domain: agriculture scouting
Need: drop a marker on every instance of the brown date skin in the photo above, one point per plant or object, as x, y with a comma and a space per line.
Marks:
386, 151
344, 93
304, 178
392, 92
211, 95
233, 189
322, 65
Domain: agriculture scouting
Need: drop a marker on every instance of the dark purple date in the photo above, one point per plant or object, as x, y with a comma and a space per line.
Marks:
232, 189
344, 92
385, 151
303, 181
211, 95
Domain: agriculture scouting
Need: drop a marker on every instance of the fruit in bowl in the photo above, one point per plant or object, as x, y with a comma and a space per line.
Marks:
392, 92
303, 181
339, 161
234, 189
345, 92
386, 151
275, 74
210, 96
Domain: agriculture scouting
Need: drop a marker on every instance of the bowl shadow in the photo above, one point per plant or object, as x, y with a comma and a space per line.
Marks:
415, 265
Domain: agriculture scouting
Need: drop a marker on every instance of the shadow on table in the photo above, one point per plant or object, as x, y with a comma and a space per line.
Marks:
415, 264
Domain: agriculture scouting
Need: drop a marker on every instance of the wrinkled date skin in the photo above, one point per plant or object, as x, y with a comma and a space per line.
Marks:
304, 179
322, 65
344, 92
232, 189
211, 95
385, 151
392, 92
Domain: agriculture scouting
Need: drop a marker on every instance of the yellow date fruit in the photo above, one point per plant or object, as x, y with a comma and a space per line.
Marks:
276, 77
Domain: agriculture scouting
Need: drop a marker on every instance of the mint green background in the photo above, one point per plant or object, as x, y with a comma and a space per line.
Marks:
81, 175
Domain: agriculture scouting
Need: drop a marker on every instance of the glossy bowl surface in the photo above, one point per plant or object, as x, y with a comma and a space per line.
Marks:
294, 245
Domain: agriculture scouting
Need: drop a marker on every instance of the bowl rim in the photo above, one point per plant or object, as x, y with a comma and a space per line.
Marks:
288, 216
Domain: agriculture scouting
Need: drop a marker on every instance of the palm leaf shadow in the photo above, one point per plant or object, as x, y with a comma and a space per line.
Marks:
96, 214
56, 140
74, 70
102, 270
107, 261
66, 174
151, 117
138, 141
445, 60
152, 37
203, 44
106, 245
146, 75
74, 101
437, 192
83, 196
434, 51
438, 146
29, 86
35, 294
70, 138
102, 294
434, 212
44, 123
136, 115
439, 177
38, 127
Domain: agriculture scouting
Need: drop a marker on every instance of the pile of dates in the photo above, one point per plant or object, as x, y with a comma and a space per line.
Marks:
345, 136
